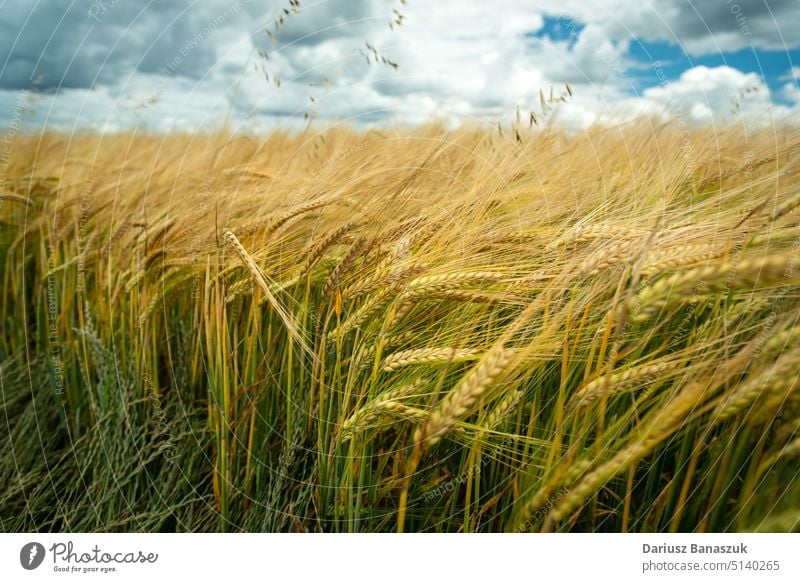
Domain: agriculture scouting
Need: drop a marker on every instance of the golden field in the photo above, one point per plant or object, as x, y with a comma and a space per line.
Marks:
416, 330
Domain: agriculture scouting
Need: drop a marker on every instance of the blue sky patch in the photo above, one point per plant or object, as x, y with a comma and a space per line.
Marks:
560, 28
772, 66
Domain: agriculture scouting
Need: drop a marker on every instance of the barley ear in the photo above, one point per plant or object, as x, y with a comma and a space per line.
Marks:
460, 400
260, 280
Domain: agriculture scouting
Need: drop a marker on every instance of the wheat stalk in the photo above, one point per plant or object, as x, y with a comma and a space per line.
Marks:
135, 280
577, 470
782, 339
398, 408
240, 287
434, 286
787, 234
401, 310
159, 233
406, 303
164, 291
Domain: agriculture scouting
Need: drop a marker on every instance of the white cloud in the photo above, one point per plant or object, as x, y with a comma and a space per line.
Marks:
699, 26
84, 44
700, 96
716, 94
790, 93
185, 65
792, 74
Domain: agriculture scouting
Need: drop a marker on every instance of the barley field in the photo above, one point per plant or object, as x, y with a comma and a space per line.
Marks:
423, 330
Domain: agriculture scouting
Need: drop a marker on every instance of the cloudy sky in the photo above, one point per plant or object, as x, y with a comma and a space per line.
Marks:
165, 65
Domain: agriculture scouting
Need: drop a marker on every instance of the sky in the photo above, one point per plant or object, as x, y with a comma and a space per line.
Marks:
185, 65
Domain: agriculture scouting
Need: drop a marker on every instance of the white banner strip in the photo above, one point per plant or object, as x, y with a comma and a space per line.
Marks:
410, 557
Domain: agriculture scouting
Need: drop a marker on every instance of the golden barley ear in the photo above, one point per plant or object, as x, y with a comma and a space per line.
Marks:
460, 399
15, 198
260, 280
419, 356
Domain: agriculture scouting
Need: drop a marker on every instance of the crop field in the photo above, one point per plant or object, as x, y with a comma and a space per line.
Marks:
422, 330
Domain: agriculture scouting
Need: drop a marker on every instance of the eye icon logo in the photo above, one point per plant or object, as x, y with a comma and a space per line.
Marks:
31, 555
